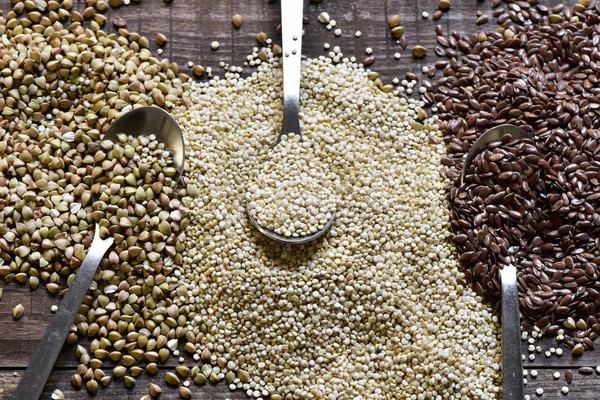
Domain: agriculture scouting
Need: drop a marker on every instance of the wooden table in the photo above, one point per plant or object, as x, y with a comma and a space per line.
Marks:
191, 25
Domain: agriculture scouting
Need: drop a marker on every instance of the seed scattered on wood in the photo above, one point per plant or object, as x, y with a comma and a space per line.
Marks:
403, 42
89, 374
482, 20
324, 18
569, 376
152, 368
154, 390
161, 38
76, 381
129, 381
397, 31
119, 22
578, 349
34, 282
172, 379
367, 61
556, 375
184, 392
198, 70
200, 379
586, 370
96, 363
18, 311
419, 51
182, 371
261, 38
91, 386
394, 21
444, 5
236, 21
189, 347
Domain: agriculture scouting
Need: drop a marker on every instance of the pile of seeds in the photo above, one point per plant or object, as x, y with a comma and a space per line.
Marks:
47, 219
371, 310
62, 87
544, 78
44, 230
291, 194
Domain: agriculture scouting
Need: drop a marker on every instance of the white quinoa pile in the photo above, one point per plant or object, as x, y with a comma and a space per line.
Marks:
372, 310
291, 193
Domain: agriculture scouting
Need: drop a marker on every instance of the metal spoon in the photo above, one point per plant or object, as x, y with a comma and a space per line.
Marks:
291, 37
512, 366
141, 121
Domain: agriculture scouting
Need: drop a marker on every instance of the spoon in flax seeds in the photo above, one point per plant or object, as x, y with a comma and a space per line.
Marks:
512, 367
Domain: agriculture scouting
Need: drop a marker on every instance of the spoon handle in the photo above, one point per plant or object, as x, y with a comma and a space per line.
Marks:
291, 37
512, 367
37, 372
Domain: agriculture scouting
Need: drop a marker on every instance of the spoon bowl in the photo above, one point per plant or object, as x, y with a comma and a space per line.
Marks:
491, 135
144, 121
138, 122
290, 239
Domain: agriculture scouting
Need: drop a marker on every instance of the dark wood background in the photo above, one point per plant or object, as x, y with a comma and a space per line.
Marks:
191, 25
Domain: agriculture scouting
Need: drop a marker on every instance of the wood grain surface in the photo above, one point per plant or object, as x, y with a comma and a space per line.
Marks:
190, 26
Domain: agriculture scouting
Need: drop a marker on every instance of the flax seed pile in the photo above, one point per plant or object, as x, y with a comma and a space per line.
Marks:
540, 72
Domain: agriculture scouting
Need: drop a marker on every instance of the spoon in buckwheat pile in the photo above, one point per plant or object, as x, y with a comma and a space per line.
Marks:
146, 142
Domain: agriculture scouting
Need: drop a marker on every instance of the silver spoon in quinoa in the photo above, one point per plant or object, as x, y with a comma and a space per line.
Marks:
291, 33
143, 121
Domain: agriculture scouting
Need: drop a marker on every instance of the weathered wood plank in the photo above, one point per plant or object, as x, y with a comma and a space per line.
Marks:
61, 378
583, 387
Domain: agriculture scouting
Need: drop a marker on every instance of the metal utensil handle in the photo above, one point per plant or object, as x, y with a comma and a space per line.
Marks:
291, 37
37, 372
512, 365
